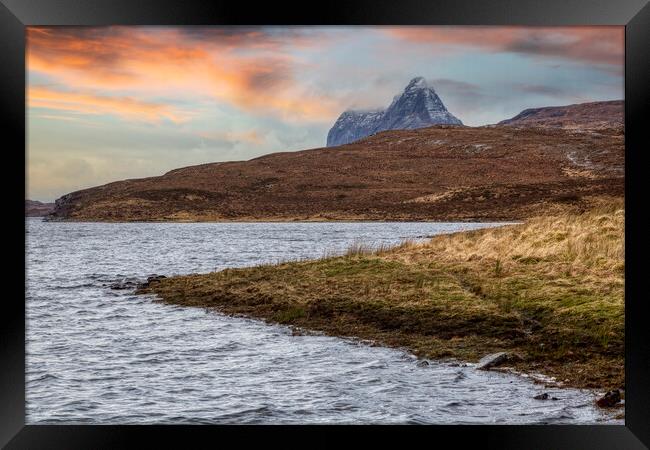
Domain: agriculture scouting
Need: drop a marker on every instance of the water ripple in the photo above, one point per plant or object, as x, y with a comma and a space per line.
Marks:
102, 355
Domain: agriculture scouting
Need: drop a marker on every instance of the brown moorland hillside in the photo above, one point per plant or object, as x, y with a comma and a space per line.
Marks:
592, 115
540, 161
34, 208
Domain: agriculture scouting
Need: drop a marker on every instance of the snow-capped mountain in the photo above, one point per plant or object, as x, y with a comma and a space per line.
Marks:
417, 107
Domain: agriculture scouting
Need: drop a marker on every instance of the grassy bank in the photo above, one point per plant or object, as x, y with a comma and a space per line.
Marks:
550, 291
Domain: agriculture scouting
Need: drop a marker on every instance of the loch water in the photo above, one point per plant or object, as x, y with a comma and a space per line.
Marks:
101, 355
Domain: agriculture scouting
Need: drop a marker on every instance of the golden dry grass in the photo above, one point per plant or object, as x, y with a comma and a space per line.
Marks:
593, 239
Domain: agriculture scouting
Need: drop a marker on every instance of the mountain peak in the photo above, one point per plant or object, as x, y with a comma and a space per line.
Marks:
417, 83
417, 106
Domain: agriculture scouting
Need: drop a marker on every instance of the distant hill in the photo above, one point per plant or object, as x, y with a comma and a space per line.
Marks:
34, 208
417, 107
594, 115
437, 173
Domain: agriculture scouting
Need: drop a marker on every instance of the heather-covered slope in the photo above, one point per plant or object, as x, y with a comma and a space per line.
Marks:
436, 173
595, 115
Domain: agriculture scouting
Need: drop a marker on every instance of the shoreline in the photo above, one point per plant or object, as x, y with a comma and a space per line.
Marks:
549, 292
613, 413
293, 220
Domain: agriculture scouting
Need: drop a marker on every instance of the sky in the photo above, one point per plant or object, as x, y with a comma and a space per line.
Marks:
111, 103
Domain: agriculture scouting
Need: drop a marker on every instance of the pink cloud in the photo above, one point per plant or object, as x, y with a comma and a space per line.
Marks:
595, 44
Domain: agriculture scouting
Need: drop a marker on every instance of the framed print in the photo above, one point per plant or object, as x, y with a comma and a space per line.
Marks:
370, 215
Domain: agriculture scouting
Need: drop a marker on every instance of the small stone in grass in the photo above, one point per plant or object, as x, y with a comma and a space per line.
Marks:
492, 360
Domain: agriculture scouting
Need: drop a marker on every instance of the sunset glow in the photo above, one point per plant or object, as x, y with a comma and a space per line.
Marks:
107, 103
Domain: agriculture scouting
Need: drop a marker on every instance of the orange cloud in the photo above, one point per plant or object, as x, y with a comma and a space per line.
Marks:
595, 44
256, 69
251, 137
125, 107
246, 68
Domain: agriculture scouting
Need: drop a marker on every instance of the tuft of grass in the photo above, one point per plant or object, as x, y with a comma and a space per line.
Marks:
359, 249
498, 268
289, 315
364, 249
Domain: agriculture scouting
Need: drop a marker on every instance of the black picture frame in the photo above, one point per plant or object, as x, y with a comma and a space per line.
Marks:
15, 15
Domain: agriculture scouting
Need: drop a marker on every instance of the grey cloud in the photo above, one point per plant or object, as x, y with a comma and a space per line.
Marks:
550, 91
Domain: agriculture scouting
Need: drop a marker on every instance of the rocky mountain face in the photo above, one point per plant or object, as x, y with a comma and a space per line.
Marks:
34, 208
417, 107
588, 116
